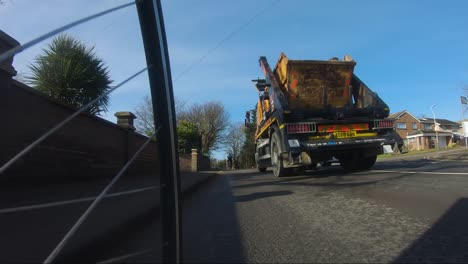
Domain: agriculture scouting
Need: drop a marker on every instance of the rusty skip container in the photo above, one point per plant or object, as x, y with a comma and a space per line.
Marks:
320, 84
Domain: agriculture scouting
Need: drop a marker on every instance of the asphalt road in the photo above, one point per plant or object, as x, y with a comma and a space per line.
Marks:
402, 211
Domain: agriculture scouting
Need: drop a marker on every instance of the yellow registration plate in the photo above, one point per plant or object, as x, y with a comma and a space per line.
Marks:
347, 134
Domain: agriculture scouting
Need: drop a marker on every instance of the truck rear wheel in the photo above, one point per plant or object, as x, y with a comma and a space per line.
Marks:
260, 169
349, 163
354, 163
276, 160
312, 166
367, 162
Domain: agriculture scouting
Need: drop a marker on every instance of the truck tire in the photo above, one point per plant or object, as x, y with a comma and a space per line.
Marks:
354, 163
312, 166
299, 171
349, 163
260, 169
276, 160
367, 162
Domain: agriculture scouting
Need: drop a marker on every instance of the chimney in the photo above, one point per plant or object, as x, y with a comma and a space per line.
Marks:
125, 120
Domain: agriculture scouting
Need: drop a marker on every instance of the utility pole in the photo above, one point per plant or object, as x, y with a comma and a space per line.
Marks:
465, 129
435, 130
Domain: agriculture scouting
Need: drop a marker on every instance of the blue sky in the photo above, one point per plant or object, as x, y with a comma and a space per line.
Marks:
412, 53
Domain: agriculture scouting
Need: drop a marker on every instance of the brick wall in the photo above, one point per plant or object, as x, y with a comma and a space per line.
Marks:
87, 146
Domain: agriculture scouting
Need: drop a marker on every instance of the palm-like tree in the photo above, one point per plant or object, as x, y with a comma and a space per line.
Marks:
72, 74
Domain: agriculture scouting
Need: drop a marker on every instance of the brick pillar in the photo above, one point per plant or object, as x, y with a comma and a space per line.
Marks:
194, 160
125, 120
7, 71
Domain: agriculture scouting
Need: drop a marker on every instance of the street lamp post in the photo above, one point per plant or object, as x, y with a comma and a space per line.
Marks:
435, 130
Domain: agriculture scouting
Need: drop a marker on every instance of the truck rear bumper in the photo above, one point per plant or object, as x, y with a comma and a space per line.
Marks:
313, 151
355, 143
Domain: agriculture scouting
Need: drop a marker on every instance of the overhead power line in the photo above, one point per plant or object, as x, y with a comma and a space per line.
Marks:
228, 37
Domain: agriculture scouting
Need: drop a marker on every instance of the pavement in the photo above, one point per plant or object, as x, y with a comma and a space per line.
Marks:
458, 154
35, 217
455, 154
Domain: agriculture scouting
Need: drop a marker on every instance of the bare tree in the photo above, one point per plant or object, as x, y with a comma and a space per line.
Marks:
247, 155
234, 141
211, 119
145, 118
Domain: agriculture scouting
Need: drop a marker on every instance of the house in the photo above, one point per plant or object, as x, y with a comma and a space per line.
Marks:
420, 134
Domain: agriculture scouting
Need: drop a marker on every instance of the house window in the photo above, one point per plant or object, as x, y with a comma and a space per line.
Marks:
415, 126
400, 125
427, 126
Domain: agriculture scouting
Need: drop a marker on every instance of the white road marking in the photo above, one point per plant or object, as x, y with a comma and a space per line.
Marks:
422, 172
120, 258
86, 199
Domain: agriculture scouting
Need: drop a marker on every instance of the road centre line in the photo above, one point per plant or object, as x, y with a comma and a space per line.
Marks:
421, 172
86, 199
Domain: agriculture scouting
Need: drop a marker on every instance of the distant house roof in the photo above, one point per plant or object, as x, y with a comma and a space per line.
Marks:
439, 121
397, 115
425, 120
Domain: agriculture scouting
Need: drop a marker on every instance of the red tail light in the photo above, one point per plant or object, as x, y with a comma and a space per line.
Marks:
296, 128
383, 123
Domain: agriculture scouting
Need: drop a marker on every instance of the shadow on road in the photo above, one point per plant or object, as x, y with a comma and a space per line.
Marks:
324, 178
260, 195
118, 239
211, 232
445, 242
